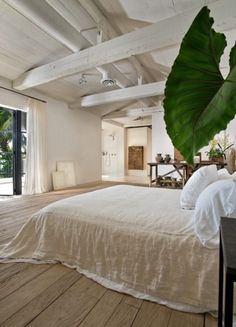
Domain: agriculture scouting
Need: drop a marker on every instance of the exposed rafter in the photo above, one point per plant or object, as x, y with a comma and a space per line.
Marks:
50, 22
110, 33
68, 35
140, 112
103, 24
161, 34
127, 94
69, 11
113, 122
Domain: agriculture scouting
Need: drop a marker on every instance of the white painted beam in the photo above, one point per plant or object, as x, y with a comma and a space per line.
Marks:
138, 112
127, 94
43, 16
116, 123
141, 70
75, 15
161, 34
103, 24
109, 32
65, 26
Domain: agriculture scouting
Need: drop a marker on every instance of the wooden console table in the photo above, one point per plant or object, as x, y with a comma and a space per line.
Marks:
182, 168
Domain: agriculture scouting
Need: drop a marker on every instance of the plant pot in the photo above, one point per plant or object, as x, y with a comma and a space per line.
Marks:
217, 159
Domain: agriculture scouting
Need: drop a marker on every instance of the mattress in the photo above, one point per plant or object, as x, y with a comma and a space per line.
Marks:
135, 240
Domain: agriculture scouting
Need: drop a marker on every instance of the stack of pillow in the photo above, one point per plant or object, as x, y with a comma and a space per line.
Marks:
212, 194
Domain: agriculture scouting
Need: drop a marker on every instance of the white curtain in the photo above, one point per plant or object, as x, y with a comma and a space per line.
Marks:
36, 157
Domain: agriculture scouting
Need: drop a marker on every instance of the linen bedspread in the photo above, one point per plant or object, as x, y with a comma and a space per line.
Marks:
133, 239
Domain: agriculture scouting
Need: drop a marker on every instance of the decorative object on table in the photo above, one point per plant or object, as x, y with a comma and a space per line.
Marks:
135, 157
230, 160
177, 155
219, 147
174, 182
167, 181
159, 158
167, 158
198, 158
199, 102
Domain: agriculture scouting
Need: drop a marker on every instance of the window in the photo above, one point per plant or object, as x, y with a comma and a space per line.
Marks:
13, 136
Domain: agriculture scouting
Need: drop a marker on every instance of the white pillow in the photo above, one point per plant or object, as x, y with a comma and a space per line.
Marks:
196, 184
224, 174
217, 200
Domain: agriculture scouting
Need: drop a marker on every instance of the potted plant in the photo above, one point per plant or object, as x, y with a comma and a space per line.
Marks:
199, 102
219, 147
216, 155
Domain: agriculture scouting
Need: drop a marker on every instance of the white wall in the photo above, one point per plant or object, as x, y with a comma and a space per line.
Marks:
231, 129
74, 135
113, 149
140, 137
161, 143
71, 134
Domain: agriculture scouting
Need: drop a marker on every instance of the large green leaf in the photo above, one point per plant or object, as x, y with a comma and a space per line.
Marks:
198, 101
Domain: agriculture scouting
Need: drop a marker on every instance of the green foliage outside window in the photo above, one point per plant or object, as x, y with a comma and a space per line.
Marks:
6, 155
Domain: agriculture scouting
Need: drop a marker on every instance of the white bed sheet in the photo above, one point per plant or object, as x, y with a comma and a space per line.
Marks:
135, 240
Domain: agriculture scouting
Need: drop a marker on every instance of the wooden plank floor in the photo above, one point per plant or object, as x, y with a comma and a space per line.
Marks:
54, 295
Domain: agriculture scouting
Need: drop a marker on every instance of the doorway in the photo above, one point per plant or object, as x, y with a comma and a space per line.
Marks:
13, 136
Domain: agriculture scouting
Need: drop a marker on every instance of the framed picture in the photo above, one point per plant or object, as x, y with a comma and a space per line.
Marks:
135, 157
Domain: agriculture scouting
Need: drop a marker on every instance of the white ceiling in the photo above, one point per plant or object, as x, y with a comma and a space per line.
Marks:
153, 11
36, 32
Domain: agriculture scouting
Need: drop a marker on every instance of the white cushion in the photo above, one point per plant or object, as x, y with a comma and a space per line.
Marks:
224, 174
196, 184
217, 200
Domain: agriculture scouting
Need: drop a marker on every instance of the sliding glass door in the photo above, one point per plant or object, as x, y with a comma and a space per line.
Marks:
12, 150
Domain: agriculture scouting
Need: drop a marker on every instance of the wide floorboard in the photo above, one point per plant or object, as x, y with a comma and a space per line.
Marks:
54, 295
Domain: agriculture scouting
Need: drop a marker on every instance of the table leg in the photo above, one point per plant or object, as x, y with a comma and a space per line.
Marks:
150, 176
220, 296
156, 168
228, 308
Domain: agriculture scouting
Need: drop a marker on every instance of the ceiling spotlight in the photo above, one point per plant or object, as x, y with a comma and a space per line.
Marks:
107, 81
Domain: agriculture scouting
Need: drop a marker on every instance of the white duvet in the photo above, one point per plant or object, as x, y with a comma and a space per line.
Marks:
132, 239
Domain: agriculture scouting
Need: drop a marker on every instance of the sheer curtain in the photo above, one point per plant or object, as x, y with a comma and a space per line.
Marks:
36, 158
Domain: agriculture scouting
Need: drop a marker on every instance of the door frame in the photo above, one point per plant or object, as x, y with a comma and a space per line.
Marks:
17, 160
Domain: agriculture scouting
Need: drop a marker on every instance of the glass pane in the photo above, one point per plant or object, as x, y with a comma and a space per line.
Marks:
23, 121
23, 155
6, 152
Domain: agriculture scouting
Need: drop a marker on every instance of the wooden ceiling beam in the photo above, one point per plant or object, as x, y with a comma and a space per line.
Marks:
110, 32
29, 10
72, 12
43, 16
127, 94
137, 112
161, 34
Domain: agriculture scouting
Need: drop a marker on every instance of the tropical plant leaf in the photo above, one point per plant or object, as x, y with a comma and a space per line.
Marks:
198, 102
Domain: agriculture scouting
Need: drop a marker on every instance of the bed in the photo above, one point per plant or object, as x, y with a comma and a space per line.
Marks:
135, 240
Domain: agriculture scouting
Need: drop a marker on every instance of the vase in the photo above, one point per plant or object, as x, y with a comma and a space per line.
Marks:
159, 158
167, 158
